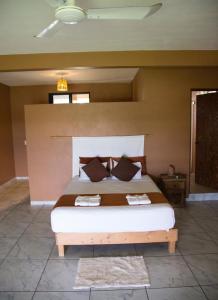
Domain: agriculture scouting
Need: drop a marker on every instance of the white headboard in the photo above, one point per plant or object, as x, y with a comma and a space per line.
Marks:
105, 146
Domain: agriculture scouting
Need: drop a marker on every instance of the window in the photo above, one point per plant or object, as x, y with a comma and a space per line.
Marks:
61, 99
67, 98
81, 98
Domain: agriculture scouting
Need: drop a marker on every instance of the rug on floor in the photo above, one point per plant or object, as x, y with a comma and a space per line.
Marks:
111, 272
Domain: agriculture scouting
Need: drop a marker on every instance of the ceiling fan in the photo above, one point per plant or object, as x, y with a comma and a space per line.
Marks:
67, 12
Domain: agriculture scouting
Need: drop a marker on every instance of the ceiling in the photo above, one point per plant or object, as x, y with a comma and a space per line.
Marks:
178, 25
78, 75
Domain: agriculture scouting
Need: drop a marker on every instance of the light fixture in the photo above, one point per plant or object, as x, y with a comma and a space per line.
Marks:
62, 85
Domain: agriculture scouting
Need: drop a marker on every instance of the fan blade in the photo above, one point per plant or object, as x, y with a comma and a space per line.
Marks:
123, 13
154, 8
55, 3
50, 30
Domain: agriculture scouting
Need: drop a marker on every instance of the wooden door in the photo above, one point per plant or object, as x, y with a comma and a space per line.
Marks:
206, 167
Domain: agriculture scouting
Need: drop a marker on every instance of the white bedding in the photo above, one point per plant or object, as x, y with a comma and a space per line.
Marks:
150, 217
111, 186
113, 218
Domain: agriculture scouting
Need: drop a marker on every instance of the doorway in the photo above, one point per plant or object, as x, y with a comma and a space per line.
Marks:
204, 142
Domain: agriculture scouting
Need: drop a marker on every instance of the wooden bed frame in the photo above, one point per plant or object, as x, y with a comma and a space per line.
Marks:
170, 237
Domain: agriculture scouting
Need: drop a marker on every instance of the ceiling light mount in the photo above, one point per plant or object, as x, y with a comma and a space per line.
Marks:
69, 13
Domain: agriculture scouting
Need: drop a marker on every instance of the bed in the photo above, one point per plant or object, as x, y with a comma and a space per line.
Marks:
113, 222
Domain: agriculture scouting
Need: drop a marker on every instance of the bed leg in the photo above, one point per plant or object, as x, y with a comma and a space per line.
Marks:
172, 247
60, 250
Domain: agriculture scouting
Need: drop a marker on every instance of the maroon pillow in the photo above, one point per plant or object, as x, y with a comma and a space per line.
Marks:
141, 159
86, 160
95, 170
125, 169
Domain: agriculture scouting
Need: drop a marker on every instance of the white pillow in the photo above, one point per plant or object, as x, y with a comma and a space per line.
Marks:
138, 175
83, 175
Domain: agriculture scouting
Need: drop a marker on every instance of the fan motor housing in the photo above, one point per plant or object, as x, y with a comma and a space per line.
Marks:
70, 14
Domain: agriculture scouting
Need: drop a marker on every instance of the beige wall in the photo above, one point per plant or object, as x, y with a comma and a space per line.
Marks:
23, 95
102, 92
6, 144
163, 111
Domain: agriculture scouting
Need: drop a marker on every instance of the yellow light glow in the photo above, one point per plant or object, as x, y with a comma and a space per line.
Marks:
62, 85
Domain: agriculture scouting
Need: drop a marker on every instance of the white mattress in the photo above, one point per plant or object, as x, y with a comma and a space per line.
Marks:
115, 218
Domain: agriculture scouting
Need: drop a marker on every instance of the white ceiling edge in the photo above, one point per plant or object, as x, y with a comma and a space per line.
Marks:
73, 76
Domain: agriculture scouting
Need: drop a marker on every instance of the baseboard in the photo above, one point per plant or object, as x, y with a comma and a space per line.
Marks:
22, 178
202, 197
35, 202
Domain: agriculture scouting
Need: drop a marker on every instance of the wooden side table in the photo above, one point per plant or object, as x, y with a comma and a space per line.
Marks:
174, 188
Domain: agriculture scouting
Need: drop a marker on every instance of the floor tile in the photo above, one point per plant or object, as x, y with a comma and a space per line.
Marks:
114, 250
169, 272
26, 207
183, 293
188, 226
40, 229
73, 252
16, 295
211, 292
32, 247
157, 249
214, 206
137, 294
3, 214
12, 229
196, 243
182, 213
19, 215
200, 210
20, 274
59, 275
61, 296
6, 244
43, 216
212, 203
210, 226
204, 267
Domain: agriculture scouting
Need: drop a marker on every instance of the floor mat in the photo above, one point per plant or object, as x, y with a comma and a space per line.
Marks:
111, 272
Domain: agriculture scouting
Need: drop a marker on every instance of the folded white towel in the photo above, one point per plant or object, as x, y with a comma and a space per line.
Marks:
88, 200
138, 199
143, 196
138, 202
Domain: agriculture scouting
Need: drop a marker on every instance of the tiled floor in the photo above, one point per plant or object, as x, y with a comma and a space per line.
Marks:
31, 269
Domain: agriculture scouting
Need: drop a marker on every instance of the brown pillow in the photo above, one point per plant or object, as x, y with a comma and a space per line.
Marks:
141, 159
125, 170
95, 170
86, 160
